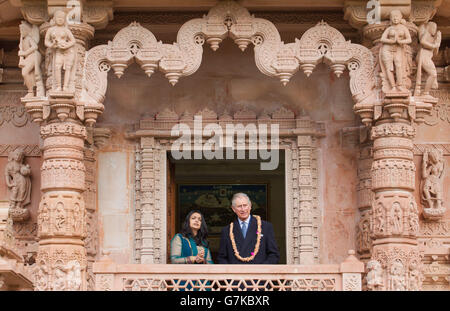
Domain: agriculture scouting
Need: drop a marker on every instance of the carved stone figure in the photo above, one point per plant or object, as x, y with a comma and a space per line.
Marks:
397, 276
73, 275
413, 219
430, 40
432, 181
17, 175
393, 58
364, 240
41, 278
374, 275
61, 41
379, 226
396, 219
59, 279
30, 59
414, 276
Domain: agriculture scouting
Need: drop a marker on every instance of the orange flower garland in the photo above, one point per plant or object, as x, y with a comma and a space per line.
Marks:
258, 242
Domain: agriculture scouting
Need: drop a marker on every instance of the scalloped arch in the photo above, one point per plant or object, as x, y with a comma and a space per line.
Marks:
321, 43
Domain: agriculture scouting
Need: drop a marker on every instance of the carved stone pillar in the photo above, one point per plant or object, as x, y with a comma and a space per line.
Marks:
365, 195
395, 258
303, 214
62, 212
394, 214
306, 248
63, 222
150, 231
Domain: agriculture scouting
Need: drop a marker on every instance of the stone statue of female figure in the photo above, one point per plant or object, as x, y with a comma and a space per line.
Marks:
30, 59
432, 179
393, 58
18, 181
430, 40
61, 41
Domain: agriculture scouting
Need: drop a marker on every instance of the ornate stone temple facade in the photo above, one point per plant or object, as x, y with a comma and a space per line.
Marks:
352, 96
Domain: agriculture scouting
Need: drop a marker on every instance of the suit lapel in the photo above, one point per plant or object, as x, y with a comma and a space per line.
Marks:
238, 237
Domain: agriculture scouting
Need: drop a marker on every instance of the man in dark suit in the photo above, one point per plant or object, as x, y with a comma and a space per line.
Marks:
240, 246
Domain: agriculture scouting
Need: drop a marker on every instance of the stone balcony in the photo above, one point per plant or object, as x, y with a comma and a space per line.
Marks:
160, 277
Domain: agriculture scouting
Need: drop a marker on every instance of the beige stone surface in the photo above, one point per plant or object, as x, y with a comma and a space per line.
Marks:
115, 206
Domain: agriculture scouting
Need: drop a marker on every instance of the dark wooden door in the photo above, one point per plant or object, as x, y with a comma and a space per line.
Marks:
171, 204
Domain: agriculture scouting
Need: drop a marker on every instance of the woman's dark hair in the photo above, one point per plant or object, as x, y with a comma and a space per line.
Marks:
202, 234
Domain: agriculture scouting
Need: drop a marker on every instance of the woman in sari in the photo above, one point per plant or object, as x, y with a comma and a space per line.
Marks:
191, 245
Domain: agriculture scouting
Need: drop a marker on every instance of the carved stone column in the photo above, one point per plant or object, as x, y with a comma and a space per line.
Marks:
303, 214
150, 232
62, 260
306, 249
62, 212
395, 258
394, 214
364, 194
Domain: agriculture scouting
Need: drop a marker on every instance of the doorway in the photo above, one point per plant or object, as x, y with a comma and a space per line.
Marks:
208, 185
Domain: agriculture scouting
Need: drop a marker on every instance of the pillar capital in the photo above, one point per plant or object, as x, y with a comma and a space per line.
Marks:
372, 16
95, 13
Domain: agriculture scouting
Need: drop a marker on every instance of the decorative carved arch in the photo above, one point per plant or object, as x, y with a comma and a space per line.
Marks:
321, 43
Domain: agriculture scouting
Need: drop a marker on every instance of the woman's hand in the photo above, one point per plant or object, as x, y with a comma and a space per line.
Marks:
199, 259
196, 259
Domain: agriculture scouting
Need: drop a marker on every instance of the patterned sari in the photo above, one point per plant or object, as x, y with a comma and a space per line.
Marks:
181, 249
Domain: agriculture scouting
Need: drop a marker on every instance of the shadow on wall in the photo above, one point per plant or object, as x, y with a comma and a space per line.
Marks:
228, 79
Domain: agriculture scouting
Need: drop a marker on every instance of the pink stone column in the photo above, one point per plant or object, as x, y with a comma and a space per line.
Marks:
394, 220
62, 212
61, 262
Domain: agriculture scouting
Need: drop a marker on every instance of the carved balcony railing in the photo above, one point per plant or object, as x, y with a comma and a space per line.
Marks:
145, 277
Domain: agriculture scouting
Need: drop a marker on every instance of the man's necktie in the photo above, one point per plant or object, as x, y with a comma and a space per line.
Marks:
244, 229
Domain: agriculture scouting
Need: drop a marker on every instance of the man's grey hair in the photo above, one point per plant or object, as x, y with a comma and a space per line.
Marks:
240, 195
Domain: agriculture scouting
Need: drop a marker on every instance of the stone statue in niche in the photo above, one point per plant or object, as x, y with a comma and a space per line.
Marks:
432, 183
18, 181
379, 226
61, 41
396, 218
364, 239
397, 276
374, 275
30, 59
393, 54
430, 40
